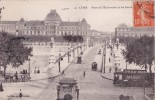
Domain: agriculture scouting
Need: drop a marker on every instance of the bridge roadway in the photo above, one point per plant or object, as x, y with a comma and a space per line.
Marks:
93, 86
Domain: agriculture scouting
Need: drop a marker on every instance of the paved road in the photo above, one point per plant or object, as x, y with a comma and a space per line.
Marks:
93, 86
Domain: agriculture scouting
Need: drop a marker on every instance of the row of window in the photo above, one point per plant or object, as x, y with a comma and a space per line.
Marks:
36, 32
127, 34
71, 28
8, 28
51, 32
8, 25
72, 33
123, 29
34, 27
52, 27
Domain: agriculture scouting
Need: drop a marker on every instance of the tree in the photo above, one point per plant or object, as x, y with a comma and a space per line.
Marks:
13, 51
73, 38
140, 52
42, 38
124, 40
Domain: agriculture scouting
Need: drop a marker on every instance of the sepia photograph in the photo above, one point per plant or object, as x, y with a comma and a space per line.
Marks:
77, 50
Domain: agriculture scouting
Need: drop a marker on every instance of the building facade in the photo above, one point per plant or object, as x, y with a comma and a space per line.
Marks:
124, 30
51, 25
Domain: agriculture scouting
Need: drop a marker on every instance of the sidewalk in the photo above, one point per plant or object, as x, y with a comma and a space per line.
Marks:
34, 84
109, 75
122, 62
50, 72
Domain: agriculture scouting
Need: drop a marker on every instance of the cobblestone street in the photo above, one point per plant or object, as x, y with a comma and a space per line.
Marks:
93, 86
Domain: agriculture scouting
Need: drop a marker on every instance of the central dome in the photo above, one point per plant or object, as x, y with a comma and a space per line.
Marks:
53, 16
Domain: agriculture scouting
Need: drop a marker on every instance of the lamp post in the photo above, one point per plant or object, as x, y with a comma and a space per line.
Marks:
117, 43
73, 53
29, 67
59, 62
1, 17
104, 56
102, 60
68, 56
126, 65
153, 83
144, 86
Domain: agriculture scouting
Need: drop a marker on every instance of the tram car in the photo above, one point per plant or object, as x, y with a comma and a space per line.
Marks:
132, 78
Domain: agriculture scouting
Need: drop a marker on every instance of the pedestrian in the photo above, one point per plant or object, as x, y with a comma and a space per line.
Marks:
116, 69
35, 71
84, 74
20, 94
109, 59
110, 70
38, 70
26, 71
23, 71
121, 97
111, 53
63, 73
1, 87
16, 76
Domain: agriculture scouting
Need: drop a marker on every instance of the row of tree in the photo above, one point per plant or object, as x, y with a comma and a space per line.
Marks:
65, 38
73, 38
12, 50
125, 40
139, 51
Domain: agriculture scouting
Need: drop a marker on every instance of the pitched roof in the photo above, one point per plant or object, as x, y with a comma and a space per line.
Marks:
8, 22
34, 23
152, 29
69, 23
84, 22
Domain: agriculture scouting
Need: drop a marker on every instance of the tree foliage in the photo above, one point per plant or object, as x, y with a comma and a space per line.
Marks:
43, 38
73, 38
140, 51
12, 50
125, 40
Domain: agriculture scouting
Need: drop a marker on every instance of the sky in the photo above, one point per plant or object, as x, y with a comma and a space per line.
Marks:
102, 15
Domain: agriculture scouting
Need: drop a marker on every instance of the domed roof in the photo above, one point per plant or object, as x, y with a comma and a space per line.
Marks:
122, 26
21, 21
53, 16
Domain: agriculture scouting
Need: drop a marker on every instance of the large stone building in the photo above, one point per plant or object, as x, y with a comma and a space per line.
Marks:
124, 30
51, 25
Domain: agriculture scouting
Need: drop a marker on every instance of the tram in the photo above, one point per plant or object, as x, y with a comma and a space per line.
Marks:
133, 78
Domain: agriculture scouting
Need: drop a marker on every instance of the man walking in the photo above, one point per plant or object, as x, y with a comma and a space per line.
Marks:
110, 70
63, 73
84, 74
109, 60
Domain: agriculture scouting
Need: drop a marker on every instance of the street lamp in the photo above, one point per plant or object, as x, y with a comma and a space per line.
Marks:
77, 50
144, 86
1, 17
102, 60
68, 55
117, 43
73, 52
104, 55
59, 62
153, 83
29, 67
126, 65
